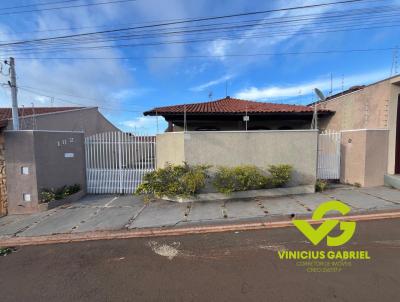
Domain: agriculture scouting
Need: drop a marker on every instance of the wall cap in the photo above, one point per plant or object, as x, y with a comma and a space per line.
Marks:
354, 130
53, 131
240, 131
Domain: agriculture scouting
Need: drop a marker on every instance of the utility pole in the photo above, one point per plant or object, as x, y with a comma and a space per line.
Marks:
315, 117
157, 121
13, 86
184, 118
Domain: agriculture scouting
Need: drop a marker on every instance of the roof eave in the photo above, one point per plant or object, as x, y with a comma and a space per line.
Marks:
153, 113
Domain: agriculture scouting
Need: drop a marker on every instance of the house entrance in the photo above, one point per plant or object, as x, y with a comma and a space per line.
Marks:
116, 161
329, 155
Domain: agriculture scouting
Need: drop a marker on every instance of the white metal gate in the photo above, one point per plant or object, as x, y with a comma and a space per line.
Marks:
329, 155
116, 161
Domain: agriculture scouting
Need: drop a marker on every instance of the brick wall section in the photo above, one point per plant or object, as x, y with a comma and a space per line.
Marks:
3, 187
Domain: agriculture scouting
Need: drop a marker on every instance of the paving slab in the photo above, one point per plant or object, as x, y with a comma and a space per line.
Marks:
311, 201
386, 193
243, 209
113, 218
283, 206
22, 223
359, 200
126, 201
160, 213
11, 218
61, 221
93, 200
206, 210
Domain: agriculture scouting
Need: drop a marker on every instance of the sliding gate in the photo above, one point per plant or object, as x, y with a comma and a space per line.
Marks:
116, 161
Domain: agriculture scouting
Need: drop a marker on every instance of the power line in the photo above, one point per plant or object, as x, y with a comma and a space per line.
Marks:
169, 42
75, 103
136, 36
326, 15
181, 22
56, 48
214, 56
343, 19
38, 4
65, 94
64, 7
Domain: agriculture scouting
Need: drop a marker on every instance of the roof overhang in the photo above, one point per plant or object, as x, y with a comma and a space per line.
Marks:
227, 114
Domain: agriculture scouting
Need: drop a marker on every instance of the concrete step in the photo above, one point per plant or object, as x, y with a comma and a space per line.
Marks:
392, 181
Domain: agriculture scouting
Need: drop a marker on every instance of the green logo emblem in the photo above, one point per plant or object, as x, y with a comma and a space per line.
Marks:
317, 235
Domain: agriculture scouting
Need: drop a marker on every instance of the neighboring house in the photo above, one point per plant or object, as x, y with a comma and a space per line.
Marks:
86, 119
370, 108
228, 114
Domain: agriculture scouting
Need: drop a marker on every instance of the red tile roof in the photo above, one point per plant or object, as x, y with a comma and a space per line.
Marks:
5, 113
230, 105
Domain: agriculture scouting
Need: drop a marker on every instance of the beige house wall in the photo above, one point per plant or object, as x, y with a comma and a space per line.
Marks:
232, 148
392, 123
170, 149
364, 157
44, 153
373, 107
376, 160
88, 120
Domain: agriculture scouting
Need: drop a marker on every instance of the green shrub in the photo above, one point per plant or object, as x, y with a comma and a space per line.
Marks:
280, 174
74, 188
47, 195
4, 251
61, 192
241, 178
174, 181
321, 185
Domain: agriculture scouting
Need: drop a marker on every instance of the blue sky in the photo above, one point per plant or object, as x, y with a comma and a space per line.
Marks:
123, 89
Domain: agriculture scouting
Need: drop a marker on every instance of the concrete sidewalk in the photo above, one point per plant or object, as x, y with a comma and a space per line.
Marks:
109, 212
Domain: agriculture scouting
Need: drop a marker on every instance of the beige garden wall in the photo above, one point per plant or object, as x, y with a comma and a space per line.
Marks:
231, 148
364, 156
373, 107
52, 159
170, 149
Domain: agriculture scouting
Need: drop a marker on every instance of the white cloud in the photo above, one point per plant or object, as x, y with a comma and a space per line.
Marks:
145, 124
266, 36
269, 92
218, 48
212, 83
100, 81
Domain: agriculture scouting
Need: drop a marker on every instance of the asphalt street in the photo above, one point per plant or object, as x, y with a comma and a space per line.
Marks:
235, 266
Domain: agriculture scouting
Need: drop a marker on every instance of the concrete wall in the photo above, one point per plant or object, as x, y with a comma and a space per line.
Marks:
259, 148
88, 120
392, 123
45, 154
364, 157
170, 149
373, 107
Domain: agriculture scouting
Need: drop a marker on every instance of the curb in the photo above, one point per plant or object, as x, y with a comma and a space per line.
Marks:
158, 232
